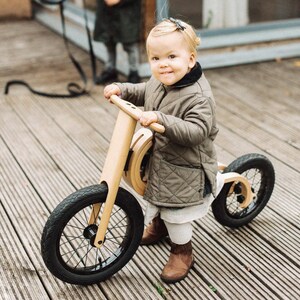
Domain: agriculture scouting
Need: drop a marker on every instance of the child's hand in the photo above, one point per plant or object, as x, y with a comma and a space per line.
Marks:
148, 117
111, 2
110, 90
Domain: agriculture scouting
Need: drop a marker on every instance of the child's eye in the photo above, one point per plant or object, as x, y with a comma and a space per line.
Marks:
154, 58
172, 56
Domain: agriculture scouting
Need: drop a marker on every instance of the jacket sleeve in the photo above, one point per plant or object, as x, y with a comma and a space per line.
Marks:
134, 93
194, 127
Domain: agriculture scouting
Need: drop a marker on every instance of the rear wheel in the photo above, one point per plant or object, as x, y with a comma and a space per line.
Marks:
68, 240
260, 173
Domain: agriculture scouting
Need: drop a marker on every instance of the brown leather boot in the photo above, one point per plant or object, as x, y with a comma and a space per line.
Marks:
153, 233
180, 261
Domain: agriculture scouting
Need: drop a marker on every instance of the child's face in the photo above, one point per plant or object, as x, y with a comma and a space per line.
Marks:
169, 57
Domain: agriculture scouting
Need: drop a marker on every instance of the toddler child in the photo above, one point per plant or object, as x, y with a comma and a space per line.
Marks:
183, 166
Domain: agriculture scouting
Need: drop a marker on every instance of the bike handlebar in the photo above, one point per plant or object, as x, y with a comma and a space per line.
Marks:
134, 112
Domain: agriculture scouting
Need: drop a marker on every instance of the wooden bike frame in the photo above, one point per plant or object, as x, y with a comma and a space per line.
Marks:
123, 139
115, 161
236, 178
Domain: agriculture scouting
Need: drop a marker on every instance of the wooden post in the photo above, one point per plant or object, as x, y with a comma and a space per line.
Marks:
149, 13
15, 9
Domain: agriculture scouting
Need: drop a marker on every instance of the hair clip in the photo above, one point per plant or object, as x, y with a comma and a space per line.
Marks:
178, 23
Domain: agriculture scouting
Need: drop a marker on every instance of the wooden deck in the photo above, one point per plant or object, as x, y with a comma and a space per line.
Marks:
51, 147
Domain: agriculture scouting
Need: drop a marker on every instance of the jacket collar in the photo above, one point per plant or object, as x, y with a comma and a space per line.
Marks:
190, 77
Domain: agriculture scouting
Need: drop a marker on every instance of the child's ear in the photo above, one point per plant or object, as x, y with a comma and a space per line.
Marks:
192, 60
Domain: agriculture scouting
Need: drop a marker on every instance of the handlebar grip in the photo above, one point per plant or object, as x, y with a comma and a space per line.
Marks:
134, 112
157, 127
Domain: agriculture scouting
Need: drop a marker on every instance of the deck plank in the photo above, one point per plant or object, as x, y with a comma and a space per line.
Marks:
239, 86
19, 278
286, 177
84, 140
51, 147
258, 258
26, 176
48, 172
267, 121
89, 116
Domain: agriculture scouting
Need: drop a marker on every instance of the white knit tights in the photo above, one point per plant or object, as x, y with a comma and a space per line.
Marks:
180, 234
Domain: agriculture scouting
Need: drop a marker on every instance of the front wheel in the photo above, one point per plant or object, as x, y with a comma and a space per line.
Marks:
67, 243
260, 173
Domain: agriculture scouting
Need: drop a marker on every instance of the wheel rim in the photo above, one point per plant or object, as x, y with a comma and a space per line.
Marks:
75, 247
234, 197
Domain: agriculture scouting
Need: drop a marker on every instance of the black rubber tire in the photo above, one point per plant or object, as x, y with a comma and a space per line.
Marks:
260, 172
66, 240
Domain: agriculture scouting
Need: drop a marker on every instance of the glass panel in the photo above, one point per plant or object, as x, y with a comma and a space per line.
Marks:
189, 11
232, 13
224, 13
272, 10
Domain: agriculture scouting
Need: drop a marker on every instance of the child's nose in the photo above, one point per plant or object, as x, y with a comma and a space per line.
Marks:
163, 64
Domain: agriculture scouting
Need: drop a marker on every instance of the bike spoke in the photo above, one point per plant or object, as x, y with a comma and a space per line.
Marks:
80, 222
81, 260
71, 238
76, 227
75, 251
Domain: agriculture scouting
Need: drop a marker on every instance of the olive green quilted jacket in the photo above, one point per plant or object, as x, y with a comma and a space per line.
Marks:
184, 156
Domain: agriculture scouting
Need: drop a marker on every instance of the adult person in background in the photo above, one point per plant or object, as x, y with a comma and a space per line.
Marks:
118, 21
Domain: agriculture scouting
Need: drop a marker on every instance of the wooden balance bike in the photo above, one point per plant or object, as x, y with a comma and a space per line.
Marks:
95, 231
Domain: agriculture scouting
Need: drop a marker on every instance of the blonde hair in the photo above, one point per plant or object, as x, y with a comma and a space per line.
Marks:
175, 25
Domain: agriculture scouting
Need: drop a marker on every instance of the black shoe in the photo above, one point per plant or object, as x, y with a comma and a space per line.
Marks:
134, 77
106, 76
